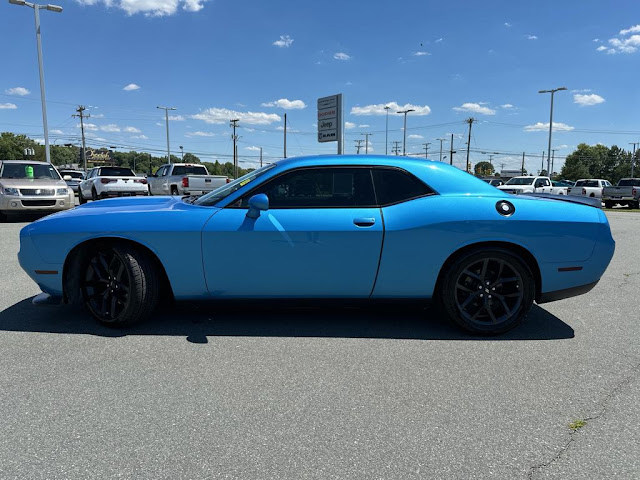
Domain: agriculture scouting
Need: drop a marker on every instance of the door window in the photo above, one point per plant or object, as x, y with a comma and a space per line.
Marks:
319, 188
394, 186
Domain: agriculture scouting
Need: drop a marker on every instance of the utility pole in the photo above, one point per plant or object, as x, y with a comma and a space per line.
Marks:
234, 123
181, 153
358, 145
542, 164
451, 152
522, 168
426, 149
470, 121
633, 156
441, 140
386, 131
396, 147
553, 157
82, 116
366, 142
166, 117
285, 135
260, 157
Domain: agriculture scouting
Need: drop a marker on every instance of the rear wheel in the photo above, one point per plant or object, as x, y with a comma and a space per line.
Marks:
94, 194
81, 199
608, 204
174, 190
487, 291
119, 285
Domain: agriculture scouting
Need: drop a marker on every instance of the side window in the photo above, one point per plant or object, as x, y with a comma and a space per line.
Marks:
164, 171
547, 183
159, 171
319, 188
395, 186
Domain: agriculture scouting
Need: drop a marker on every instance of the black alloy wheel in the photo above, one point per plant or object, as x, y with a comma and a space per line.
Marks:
118, 284
488, 291
81, 199
94, 194
174, 190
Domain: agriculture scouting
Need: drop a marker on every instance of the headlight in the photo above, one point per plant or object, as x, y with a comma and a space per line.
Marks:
62, 191
9, 191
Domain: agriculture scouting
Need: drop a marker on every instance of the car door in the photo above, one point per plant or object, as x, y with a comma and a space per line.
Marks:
155, 182
320, 237
85, 185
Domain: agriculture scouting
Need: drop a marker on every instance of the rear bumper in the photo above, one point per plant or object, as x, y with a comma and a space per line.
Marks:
565, 293
124, 194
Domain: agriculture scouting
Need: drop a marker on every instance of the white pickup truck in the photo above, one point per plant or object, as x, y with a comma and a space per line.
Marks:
184, 179
589, 187
518, 185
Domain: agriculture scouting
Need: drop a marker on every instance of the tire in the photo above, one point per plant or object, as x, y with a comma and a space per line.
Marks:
3, 217
81, 199
118, 284
592, 195
94, 194
472, 283
608, 204
149, 188
635, 204
174, 190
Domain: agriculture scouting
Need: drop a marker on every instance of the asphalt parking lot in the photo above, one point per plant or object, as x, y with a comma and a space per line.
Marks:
333, 393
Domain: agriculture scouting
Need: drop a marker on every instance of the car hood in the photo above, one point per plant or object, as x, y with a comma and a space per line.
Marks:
31, 183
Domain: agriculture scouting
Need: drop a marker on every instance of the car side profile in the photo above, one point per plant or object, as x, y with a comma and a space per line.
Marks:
366, 227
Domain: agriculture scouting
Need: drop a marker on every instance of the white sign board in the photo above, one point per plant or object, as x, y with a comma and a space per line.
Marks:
330, 119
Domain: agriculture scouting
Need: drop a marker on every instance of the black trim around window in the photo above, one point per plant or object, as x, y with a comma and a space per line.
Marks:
371, 168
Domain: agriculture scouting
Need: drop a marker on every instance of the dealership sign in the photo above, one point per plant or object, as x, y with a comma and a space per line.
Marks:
330, 119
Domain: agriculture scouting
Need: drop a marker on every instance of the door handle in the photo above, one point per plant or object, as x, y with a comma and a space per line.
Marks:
364, 222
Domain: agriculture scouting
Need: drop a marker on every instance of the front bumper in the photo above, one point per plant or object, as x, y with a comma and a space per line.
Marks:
22, 203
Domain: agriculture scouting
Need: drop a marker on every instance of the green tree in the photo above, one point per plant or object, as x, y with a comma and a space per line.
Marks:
12, 146
484, 168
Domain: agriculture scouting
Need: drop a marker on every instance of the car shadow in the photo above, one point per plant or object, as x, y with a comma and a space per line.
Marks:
198, 321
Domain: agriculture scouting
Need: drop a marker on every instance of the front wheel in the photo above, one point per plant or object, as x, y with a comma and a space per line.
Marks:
487, 291
174, 190
81, 199
119, 285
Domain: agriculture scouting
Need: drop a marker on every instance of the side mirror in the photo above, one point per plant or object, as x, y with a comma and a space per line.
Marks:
258, 203
66, 178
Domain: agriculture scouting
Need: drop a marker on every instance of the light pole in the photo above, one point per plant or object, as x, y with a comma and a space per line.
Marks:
166, 116
386, 131
36, 10
552, 91
181, 153
366, 142
404, 139
441, 140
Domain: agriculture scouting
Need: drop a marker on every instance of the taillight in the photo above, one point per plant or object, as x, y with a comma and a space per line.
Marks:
584, 191
185, 182
107, 180
141, 180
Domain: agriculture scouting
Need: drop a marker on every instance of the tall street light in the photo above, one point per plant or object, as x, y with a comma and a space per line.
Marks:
166, 116
36, 10
404, 139
386, 132
552, 91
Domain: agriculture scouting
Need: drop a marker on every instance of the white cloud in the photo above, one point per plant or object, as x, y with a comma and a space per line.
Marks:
286, 104
601, 48
475, 108
89, 126
439, 40
634, 29
532, 37
199, 134
97, 115
544, 127
141, 137
364, 126
21, 91
131, 87
341, 56
587, 100
252, 148
112, 127
177, 118
223, 115
597, 40
349, 125
378, 109
507, 24
150, 8
56, 132
284, 42
8, 106
506, 106
415, 136
420, 54
132, 130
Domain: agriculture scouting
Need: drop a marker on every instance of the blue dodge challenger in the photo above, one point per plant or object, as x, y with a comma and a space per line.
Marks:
369, 227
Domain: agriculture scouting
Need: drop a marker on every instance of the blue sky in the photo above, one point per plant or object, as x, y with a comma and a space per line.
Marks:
256, 60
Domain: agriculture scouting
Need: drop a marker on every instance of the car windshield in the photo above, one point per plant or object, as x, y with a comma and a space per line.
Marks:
520, 181
629, 182
29, 170
116, 172
218, 194
190, 170
75, 175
